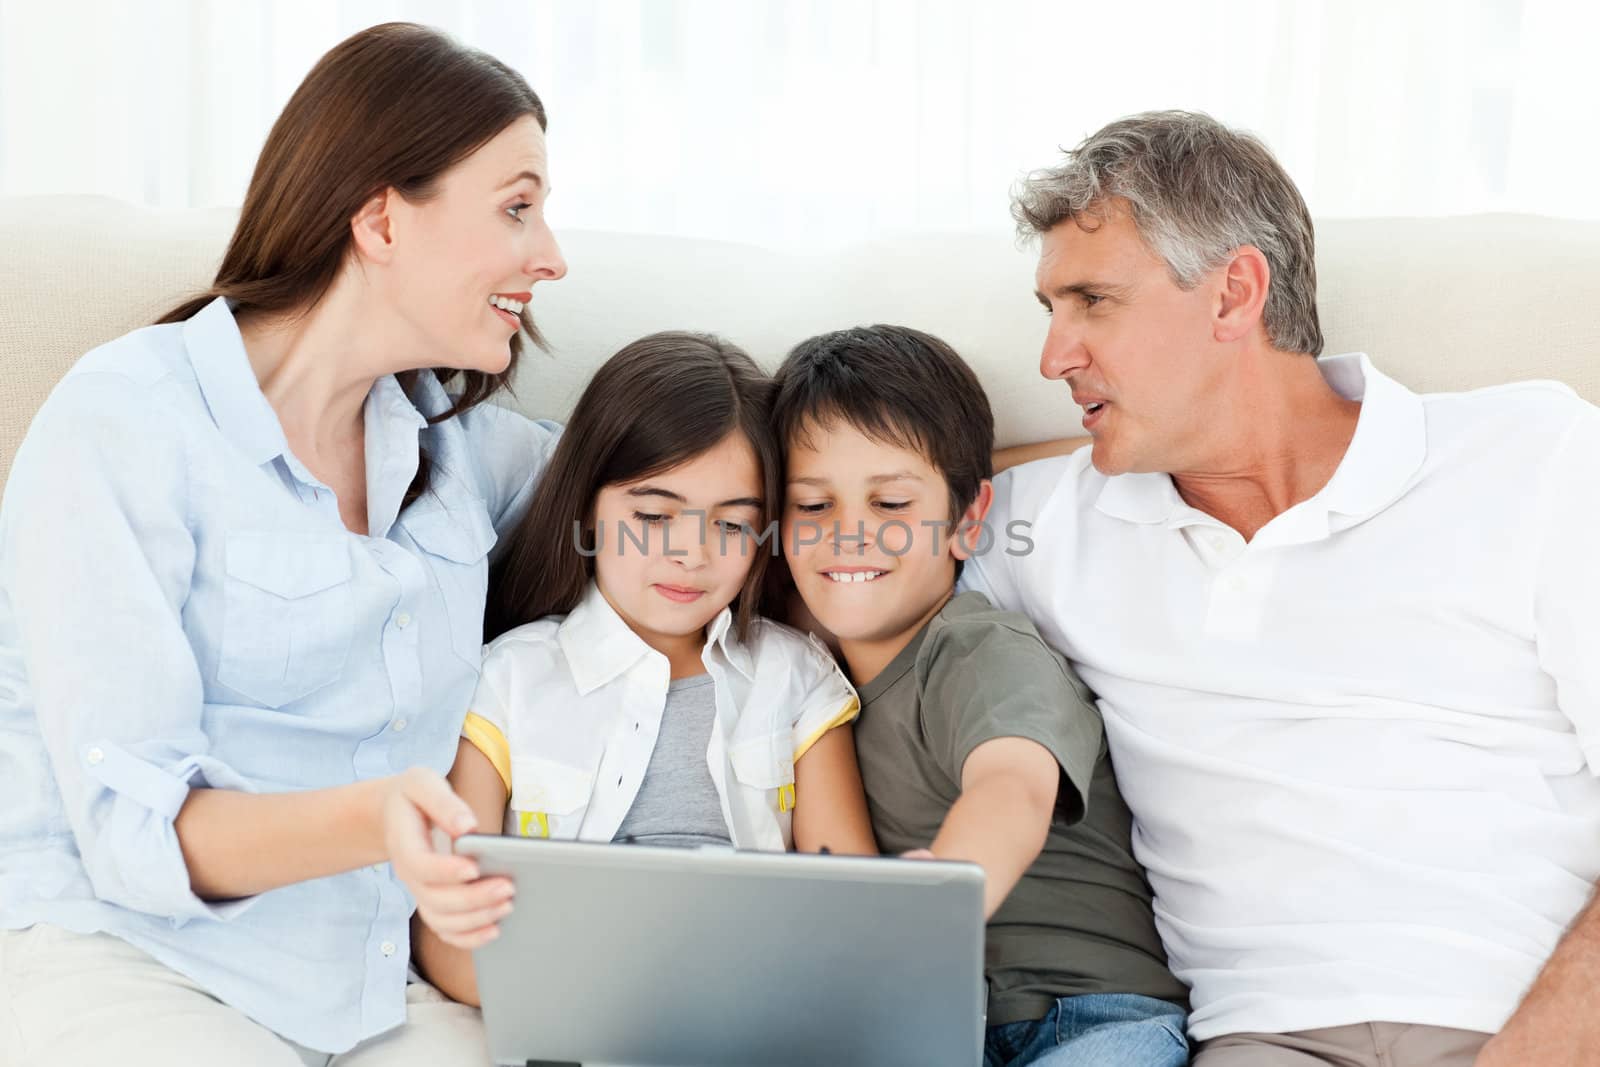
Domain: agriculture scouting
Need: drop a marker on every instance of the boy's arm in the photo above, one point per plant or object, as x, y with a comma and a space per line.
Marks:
1003, 715
1001, 820
475, 780
830, 805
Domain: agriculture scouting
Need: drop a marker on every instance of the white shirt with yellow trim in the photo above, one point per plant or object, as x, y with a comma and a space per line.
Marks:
568, 709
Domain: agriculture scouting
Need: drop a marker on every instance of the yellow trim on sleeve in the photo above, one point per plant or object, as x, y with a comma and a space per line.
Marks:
847, 712
486, 737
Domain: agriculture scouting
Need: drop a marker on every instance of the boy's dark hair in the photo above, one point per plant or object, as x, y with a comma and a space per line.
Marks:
896, 385
658, 402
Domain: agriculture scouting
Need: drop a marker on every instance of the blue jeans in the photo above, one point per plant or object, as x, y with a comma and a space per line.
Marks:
1094, 1030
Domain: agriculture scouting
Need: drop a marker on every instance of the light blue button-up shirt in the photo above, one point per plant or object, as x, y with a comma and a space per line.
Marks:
182, 607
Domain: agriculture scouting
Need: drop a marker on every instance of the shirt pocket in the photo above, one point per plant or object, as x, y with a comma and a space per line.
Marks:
764, 769
456, 541
548, 798
286, 626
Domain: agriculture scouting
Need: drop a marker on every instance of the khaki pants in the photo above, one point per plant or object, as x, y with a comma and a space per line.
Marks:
1361, 1045
70, 999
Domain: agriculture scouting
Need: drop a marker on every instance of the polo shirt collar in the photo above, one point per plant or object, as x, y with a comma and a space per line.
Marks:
1140, 498
600, 646
1388, 448
1391, 438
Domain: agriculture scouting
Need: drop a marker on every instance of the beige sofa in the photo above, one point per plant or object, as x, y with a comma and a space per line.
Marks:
1442, 304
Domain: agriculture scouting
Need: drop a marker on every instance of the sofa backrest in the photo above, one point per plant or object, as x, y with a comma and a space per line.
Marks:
1441, 304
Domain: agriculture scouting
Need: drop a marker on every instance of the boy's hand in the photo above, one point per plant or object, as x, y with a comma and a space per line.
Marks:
455, 903
919, 854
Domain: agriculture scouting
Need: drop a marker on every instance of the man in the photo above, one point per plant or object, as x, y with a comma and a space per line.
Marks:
1340, 632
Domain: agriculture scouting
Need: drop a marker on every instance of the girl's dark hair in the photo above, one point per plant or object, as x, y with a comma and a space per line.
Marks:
394, 106
657, 403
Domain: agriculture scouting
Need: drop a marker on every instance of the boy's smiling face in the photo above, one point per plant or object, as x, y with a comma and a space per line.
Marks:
869, 539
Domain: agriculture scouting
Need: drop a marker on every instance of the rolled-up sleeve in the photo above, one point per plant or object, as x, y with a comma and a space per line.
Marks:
97, 556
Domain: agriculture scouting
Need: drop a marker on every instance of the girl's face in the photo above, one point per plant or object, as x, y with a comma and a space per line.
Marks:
480, 241
674, 549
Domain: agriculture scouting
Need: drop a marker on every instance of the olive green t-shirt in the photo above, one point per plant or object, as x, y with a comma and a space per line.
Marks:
1079, 921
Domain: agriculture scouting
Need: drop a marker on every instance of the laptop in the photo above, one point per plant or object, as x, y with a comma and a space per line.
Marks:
636, 956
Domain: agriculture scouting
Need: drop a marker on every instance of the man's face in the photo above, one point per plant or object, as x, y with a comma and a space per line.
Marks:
1137, 351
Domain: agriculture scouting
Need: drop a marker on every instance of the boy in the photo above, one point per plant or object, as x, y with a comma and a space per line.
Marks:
976, 741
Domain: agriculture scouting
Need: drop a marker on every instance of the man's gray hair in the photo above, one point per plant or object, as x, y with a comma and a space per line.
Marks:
1197, 191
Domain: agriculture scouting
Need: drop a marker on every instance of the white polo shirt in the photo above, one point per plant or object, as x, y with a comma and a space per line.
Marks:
1360, 749
568, 709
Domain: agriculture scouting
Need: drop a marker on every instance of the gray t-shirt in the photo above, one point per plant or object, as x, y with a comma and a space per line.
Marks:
677, 803
1079, 921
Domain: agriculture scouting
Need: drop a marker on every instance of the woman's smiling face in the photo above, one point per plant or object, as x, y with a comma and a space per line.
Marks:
465, 259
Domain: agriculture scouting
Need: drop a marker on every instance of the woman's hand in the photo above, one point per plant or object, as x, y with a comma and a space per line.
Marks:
461, 908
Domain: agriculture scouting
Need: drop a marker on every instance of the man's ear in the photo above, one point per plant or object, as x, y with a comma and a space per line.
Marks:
969, 531
1243, 296
373, 228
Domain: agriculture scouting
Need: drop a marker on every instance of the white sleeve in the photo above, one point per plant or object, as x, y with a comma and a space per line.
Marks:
825, 699
488, 723
1567, 597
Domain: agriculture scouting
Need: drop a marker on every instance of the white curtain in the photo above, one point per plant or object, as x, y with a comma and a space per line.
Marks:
804, 123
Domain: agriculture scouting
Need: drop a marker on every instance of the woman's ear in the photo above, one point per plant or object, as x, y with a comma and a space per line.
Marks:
372, 227
969, 531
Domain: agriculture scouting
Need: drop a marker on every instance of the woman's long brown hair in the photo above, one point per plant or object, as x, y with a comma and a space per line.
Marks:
657, 403
394, 106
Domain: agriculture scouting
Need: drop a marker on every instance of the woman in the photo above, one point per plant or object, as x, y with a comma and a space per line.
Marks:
243, 557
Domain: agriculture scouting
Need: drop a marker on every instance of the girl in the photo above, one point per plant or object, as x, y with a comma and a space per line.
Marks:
633, 695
